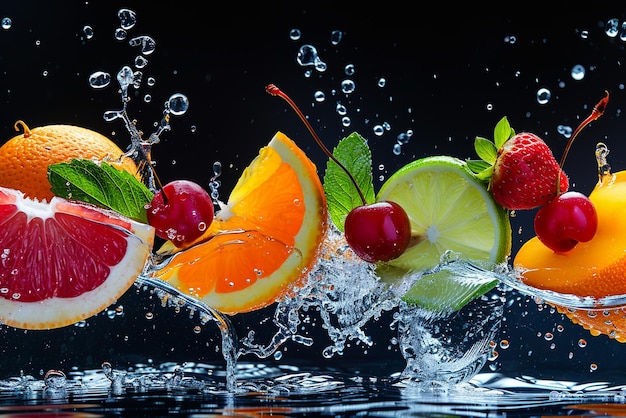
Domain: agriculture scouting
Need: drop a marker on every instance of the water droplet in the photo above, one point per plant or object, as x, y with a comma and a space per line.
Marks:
202, 226
127, 17
543, 96
564, 130
55, 379
345, 121
147, 98
578, 72
504, 344
582, 343
178, 104
140, 61
197, 329
278, 355
319, 96
147, 44
382, 82
349, 69
150, 81
335, 37
593, 367
341, 109
510, 39
307, 55
347, 86
612, 27
120, 34
397, 149
295, 34
378, 130
88, 31
149, 315
403, 138
6, 23
99, 79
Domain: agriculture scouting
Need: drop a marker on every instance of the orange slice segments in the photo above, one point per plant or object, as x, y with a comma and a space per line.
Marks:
263, 241
62, 262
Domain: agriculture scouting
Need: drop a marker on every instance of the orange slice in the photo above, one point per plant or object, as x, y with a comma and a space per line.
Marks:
263, 241
596, 268
62, 262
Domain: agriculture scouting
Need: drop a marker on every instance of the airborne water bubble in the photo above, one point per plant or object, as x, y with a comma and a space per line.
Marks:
578, 72
99, 79
543, 96
348, 86
127, 17
120, 34
147, 44
178, 104
335, 37
6, 23
88, 31
612, 28
294, 34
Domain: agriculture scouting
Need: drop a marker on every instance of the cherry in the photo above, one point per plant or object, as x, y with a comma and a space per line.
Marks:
379, 231
569, 218
180, 212
565, 221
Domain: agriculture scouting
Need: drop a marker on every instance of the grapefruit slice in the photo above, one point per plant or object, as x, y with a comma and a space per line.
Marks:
262, 242
62, 262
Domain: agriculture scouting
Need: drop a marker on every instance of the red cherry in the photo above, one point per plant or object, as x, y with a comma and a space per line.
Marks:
565, 221
379, 231
184, 214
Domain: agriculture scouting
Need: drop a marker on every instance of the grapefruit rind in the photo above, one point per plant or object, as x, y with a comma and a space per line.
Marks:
226, 268
57, 312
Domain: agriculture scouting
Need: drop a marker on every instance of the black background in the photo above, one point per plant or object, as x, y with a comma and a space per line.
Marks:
450, 75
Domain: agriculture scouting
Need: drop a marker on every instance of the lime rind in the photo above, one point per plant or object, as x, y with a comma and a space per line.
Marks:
450, 210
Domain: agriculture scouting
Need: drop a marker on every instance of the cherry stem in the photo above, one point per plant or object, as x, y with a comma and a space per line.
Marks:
598, 110
275, 91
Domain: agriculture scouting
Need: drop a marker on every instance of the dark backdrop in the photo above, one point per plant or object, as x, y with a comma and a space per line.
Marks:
450, 74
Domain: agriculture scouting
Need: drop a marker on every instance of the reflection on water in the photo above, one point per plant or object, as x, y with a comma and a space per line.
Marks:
290, 391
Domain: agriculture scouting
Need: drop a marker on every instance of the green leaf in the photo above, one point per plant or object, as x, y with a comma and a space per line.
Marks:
478, 166
502, 132
486, 149
341, 194
485, 175
101, 185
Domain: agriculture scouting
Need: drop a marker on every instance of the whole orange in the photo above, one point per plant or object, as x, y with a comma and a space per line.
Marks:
25, 158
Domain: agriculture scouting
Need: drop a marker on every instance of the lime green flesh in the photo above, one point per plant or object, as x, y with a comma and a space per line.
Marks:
450, 211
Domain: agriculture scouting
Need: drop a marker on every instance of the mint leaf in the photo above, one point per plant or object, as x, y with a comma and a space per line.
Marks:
101, 185
341, 194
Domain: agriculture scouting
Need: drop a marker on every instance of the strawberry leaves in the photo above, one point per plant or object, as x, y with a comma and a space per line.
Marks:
487, 150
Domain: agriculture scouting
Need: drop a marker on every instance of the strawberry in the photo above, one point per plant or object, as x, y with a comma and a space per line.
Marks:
520, 168
525, 173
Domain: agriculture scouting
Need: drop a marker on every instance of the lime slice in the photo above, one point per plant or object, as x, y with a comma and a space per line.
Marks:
450, 211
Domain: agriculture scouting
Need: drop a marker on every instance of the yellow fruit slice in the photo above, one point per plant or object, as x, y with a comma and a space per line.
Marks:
449, 210
263, 241
25, 158
62, 262
596, 268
